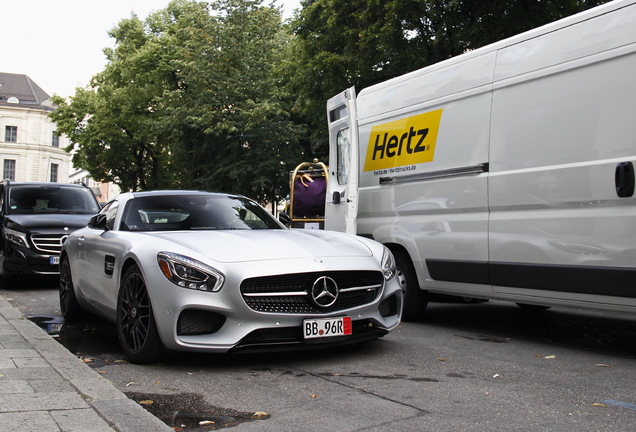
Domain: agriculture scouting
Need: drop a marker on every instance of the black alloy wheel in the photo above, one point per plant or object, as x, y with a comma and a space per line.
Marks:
136, 327
70, 307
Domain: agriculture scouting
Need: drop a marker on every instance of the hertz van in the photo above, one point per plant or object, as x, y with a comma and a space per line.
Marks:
504, 173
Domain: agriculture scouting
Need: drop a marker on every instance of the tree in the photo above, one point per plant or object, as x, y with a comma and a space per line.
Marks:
190, 98
344, 43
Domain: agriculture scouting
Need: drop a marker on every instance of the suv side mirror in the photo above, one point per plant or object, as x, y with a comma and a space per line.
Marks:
98, 222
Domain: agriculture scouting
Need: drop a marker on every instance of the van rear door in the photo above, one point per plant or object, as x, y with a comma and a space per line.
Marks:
341, 206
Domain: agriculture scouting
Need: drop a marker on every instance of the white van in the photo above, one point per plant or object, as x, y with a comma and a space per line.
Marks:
504, 173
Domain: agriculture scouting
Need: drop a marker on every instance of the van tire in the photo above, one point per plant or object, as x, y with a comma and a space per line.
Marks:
415, 300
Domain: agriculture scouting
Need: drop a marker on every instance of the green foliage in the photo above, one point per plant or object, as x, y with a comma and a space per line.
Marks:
344, 43
225, 96
190, 98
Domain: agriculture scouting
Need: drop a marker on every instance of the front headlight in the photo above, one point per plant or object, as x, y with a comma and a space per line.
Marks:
16, 237
388, 264
189, 273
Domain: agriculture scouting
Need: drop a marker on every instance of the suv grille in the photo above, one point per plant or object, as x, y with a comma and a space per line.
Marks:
49, 243
291, 293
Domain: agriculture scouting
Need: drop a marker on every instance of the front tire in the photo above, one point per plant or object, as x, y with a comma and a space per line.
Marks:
136, 327
415, 300
69, 306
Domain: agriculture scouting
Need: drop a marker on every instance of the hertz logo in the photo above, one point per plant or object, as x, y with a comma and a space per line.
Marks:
407, 141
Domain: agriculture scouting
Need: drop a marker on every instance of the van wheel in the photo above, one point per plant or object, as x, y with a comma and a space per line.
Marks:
532, 308
415, 300
136, 327
69, 306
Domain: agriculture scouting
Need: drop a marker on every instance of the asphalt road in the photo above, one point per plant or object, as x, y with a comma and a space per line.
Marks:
464, 367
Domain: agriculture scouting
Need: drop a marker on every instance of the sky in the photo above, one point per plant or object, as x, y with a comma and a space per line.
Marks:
59, 43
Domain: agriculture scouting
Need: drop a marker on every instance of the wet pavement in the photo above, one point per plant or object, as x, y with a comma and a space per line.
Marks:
46, 388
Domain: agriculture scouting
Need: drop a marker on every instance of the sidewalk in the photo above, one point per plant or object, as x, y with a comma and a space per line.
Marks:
45, 388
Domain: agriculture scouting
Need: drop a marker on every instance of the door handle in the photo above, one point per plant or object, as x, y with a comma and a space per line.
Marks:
335, 198
624, 179
80, 240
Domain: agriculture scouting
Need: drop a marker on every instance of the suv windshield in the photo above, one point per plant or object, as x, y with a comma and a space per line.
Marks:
195, 212
31, 199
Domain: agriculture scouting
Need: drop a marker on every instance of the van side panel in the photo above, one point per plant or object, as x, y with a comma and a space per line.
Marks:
563, 118
428, 208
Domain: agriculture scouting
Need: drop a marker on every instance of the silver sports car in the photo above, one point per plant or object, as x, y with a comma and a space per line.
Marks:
199, 271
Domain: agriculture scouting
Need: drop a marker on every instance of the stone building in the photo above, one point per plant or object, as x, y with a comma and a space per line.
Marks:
30, 148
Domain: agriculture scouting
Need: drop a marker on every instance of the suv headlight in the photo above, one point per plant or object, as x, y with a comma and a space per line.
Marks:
189, 273
16, 237
388, 264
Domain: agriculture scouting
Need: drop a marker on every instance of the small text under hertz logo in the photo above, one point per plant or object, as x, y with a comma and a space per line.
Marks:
407, 141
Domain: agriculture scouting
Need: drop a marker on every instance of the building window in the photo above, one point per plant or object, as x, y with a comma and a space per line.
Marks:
55, 140
11, 134
9, 170
54, 168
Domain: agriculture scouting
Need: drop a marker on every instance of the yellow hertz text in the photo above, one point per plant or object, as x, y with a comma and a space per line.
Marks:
407, 141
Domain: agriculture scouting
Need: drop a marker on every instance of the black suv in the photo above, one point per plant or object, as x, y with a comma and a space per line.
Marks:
36, 220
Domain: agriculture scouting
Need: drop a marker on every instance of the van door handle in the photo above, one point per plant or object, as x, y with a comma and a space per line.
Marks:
335, 198
625, 179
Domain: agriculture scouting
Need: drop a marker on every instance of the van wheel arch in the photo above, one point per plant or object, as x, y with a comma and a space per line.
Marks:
415, 299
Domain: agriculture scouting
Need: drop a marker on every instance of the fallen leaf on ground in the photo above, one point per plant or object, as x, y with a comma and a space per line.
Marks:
601, 365
550, 357
206, 422
598, 404
146, 402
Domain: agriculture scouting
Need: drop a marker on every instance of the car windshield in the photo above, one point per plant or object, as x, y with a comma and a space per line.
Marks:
195, 212
54, 198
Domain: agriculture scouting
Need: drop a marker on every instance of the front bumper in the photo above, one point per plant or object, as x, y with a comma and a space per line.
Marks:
21, 261
222, 321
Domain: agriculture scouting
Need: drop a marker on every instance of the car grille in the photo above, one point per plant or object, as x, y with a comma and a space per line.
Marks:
291, 293
49, 243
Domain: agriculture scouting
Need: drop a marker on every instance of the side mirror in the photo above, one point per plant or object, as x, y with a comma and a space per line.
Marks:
98, 222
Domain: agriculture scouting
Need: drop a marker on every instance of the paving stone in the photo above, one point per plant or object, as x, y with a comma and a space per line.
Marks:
15, 386
80, 420
39, 421
15, 353
41, 402
30, 362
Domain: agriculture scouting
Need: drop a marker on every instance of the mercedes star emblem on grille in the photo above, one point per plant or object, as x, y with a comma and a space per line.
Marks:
324, 292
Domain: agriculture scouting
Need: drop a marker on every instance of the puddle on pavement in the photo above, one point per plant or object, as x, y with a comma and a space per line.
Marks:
189, 412
90, 338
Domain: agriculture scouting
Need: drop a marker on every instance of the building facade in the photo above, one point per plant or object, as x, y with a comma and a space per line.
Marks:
30, 148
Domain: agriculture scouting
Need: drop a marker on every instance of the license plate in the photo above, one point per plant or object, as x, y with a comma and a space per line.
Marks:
54, 260
326, 327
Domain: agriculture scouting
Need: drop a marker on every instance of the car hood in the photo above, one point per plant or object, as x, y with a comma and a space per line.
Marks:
47, 221
251, 245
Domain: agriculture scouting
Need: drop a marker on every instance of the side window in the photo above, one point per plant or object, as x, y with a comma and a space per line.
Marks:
344, 156
110, 210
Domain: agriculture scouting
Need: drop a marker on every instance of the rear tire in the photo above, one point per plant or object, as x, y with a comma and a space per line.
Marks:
415, 300
136, 327
69, 306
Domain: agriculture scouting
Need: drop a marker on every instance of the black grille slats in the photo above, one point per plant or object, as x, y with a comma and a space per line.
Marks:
291, 293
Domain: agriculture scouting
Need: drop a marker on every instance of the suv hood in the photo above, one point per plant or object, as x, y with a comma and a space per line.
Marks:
47, 221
